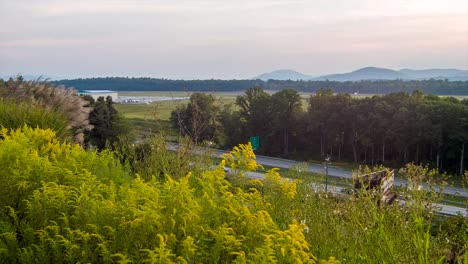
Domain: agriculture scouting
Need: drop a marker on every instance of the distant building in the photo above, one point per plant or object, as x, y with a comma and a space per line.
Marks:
100, 93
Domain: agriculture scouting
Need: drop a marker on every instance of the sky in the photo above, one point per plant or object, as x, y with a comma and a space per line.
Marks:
227, 39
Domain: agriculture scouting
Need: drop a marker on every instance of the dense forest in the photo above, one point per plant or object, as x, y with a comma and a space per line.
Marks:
391, 129
440, 87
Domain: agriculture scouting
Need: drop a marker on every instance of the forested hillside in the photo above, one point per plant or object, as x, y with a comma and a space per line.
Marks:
440, 87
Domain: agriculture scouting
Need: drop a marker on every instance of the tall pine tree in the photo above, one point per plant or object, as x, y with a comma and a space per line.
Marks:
108, 124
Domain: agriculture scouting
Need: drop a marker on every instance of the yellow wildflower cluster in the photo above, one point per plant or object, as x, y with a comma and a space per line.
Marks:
242, 158
84, 208
281, 186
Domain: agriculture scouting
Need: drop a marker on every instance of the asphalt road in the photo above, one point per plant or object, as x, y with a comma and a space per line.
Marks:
443, 209
332, 171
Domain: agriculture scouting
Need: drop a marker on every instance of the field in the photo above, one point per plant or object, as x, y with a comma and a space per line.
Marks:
162, 110
147, 119
153, 111
175, 93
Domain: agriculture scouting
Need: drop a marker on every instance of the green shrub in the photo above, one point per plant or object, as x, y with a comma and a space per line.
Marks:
42, 94
15, 115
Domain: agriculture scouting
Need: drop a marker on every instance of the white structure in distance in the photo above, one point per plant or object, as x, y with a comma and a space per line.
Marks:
100, 93
147, 99
129, 99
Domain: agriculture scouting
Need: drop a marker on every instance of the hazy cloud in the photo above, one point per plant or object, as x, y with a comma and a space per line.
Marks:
229, 39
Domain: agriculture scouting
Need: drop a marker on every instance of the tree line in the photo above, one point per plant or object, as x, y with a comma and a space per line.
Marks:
432, 86
392, 129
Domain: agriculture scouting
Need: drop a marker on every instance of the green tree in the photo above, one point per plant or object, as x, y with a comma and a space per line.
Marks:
108, 124
245, 101
256, 116
286, 106
199, 119
359, 125
232, 126
457, 135
320, 109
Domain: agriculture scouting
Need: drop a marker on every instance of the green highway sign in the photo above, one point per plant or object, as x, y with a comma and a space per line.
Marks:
255, 141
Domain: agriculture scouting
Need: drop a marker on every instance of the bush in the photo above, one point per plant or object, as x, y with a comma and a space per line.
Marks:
43, 94
15, 115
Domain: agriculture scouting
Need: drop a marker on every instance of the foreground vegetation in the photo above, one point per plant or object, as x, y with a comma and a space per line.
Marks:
72, 205
38, 103
74, 118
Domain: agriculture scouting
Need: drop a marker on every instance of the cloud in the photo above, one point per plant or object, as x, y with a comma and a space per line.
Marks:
41, 42
218, 36
70, 7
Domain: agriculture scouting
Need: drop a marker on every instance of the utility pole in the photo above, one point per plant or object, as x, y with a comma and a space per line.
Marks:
327, 162
326, 178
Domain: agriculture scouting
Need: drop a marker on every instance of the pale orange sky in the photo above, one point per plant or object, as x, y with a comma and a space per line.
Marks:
228, 39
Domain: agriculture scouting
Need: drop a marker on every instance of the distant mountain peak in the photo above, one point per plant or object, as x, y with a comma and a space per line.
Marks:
371, 68
453, 74
284, 74
366, 73
370, 73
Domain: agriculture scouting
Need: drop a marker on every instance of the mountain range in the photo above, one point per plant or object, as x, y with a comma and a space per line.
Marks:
367, 73
283, 75
371, 73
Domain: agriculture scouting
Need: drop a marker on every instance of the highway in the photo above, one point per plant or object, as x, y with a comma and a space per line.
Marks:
343, 173
443, 209
332, 170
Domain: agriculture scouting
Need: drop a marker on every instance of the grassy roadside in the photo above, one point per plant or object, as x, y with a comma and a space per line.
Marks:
153, 111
